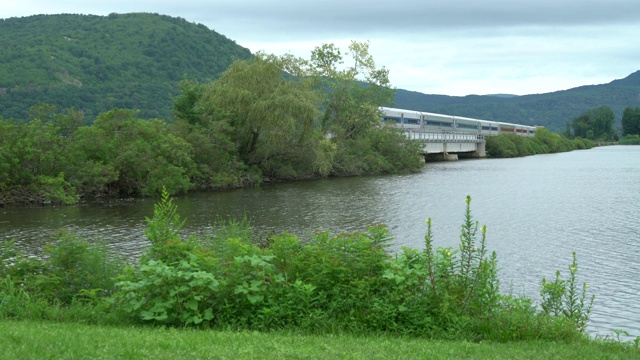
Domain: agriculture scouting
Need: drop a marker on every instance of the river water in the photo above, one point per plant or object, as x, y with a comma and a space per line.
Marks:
537, 210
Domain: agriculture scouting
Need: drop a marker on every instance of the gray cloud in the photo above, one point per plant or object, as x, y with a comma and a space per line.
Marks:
337, 16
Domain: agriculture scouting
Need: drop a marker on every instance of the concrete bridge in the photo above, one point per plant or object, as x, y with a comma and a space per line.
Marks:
439, 145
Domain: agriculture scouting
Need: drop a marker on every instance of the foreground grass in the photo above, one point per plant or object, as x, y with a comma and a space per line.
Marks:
47, 340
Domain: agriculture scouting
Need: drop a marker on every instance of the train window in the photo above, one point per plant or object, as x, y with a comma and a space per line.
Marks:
392, 118
438, 123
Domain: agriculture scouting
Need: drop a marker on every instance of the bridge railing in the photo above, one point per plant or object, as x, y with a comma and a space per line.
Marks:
443, 136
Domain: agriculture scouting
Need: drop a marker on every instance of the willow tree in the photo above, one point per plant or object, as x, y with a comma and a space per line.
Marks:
272, 112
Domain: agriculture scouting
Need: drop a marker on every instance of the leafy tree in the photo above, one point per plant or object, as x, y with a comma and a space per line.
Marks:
128, 156
272, 116
631, 121
213, 148
595, 124
35, 155
351, 98
352, 94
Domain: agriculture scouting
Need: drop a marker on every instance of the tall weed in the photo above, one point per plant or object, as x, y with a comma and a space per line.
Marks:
563, 298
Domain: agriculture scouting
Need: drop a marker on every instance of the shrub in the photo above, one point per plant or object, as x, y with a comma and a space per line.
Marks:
562, 298
178, 294
70, 269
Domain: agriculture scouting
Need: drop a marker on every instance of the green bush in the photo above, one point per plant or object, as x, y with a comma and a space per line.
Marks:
630, 140
177, 294
70, 269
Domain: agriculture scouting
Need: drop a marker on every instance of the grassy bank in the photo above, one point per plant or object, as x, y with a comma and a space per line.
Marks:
45, 340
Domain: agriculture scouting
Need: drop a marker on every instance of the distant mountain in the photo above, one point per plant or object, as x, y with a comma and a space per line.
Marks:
96, 63
502, 95
552, 110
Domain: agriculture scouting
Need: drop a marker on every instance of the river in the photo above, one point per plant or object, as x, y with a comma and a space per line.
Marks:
537, 210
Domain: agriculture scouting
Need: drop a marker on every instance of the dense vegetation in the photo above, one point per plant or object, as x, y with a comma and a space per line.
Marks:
544, 142
97, 63
324, 284
594, 124
275, 118
551, 110
631, 121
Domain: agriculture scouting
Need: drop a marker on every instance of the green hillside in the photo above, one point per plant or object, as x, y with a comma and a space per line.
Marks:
552, 110
97, 63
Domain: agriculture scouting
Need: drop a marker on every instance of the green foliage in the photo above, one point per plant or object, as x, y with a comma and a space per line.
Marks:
352, 94
70, 270
562, 298
544, 142
272, 117
143, 156
351, 97
35, 156
165, 224
595, 124
630, 140
178, 294
631, 121
463, 282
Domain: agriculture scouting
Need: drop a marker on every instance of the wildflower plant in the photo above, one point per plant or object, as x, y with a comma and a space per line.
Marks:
562, 298
464, 280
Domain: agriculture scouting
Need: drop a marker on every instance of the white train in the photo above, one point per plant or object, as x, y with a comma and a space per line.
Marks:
411, 119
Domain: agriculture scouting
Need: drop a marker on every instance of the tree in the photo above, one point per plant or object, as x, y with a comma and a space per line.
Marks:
595, 124
272, 113
126, 156
213, 148
352, 95
631, 121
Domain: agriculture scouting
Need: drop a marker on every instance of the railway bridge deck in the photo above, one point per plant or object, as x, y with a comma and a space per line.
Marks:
448, 145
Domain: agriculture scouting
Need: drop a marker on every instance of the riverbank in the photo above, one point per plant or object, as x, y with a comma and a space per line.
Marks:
40, 340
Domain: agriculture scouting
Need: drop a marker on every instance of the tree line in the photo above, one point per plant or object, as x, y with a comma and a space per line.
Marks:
597, 124
266, 118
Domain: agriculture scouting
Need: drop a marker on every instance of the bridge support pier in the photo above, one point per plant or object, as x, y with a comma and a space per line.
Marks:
441, 157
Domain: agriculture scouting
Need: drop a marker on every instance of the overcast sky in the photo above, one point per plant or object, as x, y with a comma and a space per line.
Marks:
449, 47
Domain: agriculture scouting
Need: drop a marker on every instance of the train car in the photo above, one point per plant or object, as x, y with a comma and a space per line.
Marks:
506, 128
431, 121
467, 124
391, 114
411, 119
403, 118
489, 127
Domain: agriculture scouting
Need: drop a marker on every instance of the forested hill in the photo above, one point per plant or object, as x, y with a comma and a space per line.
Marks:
552, 110
97, 63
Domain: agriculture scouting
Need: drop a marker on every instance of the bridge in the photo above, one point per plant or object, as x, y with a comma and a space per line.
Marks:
439, 145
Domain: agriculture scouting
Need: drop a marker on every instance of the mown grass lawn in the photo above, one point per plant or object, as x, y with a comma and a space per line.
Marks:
47, 340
